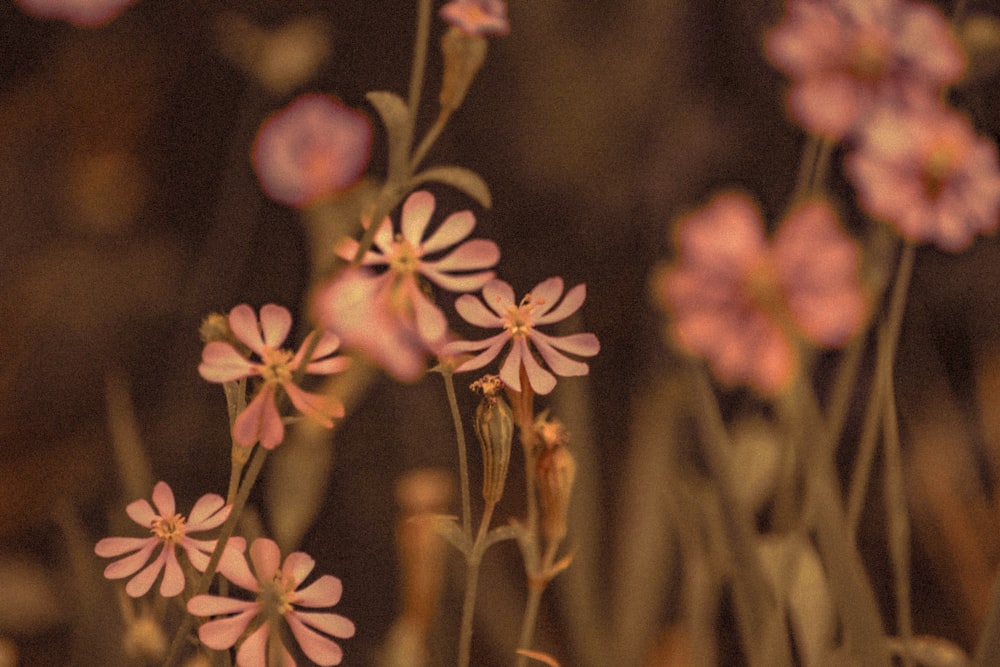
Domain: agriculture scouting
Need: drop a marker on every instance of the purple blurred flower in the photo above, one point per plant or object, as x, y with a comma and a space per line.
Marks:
926, 171
846, 57
81, 13
477, 17
314, 147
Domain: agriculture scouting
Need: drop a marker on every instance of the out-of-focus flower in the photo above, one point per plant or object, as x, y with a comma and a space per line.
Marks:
519, 321
81, 13
278, 596
388, 316
314, 147
169, 529
477, 17
555, 471
221, 362
737, 302
927, 172
847, 56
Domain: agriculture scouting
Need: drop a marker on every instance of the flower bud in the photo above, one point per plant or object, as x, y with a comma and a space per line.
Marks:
214, 327
495, 429
463, 56
555, 472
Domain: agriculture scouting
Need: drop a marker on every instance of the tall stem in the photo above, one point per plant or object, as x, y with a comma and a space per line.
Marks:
463, 457
473, 561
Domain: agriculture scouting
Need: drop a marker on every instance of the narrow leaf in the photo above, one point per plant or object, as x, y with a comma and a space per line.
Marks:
394, 113
460, 178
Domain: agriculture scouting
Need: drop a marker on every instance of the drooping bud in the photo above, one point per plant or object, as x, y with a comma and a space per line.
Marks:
494, 426
464, 55
555, 472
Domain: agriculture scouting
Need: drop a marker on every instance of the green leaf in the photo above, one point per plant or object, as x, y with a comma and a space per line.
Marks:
447, 527
459, 178
395, 115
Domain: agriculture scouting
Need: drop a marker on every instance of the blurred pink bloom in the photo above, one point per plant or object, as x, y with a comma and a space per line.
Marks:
220, 362
846, 56
477, 17
81, 13
927, 172
733, 297
519, 322
315, 146
169, 529
278, 595
389, 315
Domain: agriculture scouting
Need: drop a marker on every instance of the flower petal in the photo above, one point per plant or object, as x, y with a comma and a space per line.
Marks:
221, 633
329, 366
334, 625
324, 592
570, 304
131, 564
220, 362
582, 344
216, 605
417, 211
266, 558
558, 362
209, 512
260, 421
253, 650
468, 282
317, 648
470, 256
540, 379
455, 227
298, 565
243, 322
275, 322
545, 296
490, 349
140, 584
474, 312
316, 406
233, 566
110, 547
510, 369
173, 576
141, 512
499, 296
430, 321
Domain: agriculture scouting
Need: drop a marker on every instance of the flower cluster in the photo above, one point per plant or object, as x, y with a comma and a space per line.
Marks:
740, 302
872, 73
169, 530
261, 421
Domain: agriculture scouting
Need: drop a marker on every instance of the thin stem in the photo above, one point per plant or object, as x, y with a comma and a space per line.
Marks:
419, 62
899, 524
428, 141
888, 339
463, 458
256, 464
529, 621
473, 561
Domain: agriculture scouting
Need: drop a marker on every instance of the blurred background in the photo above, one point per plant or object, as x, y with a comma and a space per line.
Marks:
129, 210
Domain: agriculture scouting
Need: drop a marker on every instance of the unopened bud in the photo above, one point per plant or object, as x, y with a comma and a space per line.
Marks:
495, 429
214, 327
463, 55
555, 472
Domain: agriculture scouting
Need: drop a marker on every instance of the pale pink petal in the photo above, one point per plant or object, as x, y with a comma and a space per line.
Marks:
275, 322
317, 648
233, 566
455, 227
266, 558
221, 633
417, 211
347, 248
253, 650
570, 304
559, 363
260, 421
477, 17
110, 547
430, 321
243, 322
327, 345
198, 557
216, 605
510, 369
545, 296
470, 256
140, 584
324, 592
209, 512
131, 564
540, 379
582, 344
141, 512
298, 565
173, 576
220, 362
473, 311
334, 625
319, 408
469, 282
499, 296
490, 349
329, 366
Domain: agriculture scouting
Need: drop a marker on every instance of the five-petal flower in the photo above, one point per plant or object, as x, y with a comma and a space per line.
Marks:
169, 529
278, 595
519, 322
221, 362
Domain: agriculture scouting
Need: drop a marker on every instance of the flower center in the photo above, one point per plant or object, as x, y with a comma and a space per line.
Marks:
275, 365
936, 172
275, 597
518, 320
169, 529
405, 258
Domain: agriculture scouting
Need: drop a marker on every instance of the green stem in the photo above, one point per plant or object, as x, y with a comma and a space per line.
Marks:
473, 561
463, 457
419, 64
256, 464
899, 524
428, 141
529, 621
888, 339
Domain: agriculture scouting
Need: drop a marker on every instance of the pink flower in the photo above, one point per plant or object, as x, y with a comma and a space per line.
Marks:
389, 315
738, 302
220, 362
927, 172
169, 529
81, 13
314, 147
278, 595
847, 56
477, 17
519, 322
